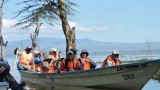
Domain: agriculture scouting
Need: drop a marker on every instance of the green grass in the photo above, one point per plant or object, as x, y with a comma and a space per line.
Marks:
157, 76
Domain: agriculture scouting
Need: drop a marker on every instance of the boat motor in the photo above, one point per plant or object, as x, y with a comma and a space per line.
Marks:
6, 76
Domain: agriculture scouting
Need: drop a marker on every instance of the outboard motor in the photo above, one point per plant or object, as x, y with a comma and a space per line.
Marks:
6, 76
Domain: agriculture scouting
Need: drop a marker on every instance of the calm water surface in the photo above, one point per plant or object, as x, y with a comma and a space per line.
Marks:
151, 85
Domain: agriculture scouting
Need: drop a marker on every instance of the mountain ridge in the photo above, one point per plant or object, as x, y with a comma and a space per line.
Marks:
46, 43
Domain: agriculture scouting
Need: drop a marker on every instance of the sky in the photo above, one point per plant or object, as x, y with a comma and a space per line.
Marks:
127, 21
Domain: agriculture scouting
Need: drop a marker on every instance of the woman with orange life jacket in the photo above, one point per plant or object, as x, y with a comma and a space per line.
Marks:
85, 63
26, 58
111, 60
68, 64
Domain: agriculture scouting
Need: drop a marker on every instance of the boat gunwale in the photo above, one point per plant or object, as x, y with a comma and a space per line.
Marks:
96, 69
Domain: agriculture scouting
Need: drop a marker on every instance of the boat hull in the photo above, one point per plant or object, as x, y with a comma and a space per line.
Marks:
128, 76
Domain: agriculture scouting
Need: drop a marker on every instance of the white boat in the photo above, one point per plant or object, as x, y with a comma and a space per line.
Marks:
126, 76
4, 86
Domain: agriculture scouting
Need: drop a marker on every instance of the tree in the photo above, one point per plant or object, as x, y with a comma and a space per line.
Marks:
34, 37
2, 43
49, 11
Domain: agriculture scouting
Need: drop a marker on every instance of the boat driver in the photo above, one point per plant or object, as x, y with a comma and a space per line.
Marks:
26, 59
111, 60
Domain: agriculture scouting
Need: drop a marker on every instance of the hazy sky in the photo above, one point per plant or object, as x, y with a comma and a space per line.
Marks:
127, 21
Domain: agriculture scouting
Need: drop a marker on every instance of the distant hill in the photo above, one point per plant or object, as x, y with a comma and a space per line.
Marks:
89, 44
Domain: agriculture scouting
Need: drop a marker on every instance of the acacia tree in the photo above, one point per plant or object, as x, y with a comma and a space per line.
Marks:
49, 11
2, 43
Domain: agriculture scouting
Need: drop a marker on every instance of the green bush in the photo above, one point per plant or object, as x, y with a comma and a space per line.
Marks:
157, 76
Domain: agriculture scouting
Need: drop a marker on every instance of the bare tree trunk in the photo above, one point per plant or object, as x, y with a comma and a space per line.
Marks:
2, 43
34, 37
1, 13
3, 48
68, 32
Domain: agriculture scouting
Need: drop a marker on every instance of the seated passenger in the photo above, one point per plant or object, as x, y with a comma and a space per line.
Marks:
74, 51
85, 63
26, 58
111, 60
47, 65
69, 63
56, 54
38, 57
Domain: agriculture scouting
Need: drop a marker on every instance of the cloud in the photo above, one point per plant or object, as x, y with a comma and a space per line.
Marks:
8, 23
11, 33
81, 28
72, 24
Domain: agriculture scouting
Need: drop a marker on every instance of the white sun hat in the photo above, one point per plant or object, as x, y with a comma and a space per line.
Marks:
115, 51
48, 56
53, 50
36, 52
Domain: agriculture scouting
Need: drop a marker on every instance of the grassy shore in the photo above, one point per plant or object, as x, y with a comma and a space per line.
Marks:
157, 76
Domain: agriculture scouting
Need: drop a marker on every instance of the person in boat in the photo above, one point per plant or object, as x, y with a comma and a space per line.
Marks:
69, 63
111, 60
38, 57
56, 54
74, 51
26, 59
47, 65
84, 62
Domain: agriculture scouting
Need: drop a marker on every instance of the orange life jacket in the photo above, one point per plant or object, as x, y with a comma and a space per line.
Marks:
39, 67
71, 65
110, 58
86, 65
51, 69
25, 58
62, 66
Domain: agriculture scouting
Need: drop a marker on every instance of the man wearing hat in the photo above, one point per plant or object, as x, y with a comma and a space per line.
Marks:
26, 58
112, 60
74, 51
69, 63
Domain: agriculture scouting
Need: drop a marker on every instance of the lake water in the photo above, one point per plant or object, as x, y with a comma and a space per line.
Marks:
151, 85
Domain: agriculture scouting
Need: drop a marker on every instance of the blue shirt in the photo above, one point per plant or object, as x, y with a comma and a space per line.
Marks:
38, 60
